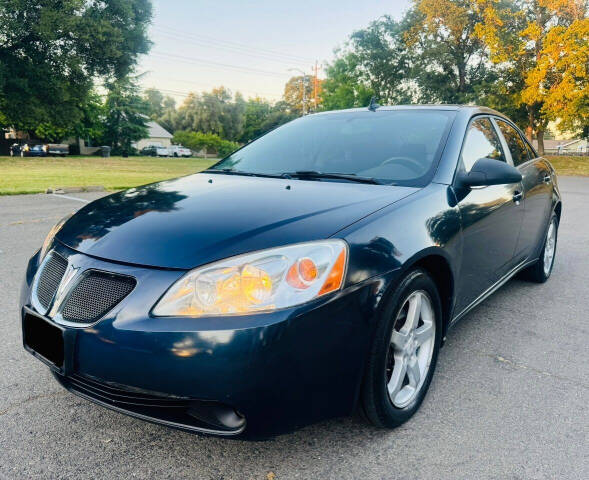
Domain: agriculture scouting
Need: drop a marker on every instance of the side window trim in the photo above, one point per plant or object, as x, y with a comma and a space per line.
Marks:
504, 145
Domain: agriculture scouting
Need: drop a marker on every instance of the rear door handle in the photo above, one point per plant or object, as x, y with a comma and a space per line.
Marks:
547, 178
517, 197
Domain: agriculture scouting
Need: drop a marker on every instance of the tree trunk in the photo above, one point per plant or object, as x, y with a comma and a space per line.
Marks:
530, 127
530, 133
540, 136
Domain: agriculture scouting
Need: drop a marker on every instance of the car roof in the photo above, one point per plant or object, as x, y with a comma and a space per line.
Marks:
473, 109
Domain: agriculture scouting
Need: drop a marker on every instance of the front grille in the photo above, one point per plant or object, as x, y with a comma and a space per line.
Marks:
52, 273
96, 294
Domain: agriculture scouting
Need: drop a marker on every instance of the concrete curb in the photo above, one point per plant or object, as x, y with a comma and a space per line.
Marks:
87, 188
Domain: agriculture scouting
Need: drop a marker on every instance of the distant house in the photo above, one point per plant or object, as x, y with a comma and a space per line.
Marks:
579, 145
157, 135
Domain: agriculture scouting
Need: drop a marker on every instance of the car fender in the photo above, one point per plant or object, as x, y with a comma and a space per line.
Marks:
399, 235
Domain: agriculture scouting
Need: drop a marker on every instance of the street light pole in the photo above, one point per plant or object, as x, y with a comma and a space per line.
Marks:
304, 92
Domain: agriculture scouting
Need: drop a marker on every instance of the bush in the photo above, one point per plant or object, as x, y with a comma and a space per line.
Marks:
226, 147
198, 141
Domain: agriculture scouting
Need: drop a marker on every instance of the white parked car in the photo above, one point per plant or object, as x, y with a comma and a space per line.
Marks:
179, 151
162, 151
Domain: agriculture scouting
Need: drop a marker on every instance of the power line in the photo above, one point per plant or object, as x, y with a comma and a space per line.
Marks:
203, 87
230, 44
226, 66
241, 51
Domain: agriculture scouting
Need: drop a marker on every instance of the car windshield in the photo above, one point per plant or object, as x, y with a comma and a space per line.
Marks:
392, 146
37, 147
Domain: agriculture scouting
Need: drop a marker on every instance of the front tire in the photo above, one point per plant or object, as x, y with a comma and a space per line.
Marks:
404, 352
542, 269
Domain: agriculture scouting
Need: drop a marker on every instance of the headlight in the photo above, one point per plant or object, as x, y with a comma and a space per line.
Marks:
258, 282
51, 235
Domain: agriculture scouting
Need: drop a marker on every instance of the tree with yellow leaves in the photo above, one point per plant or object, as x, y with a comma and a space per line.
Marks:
545, 45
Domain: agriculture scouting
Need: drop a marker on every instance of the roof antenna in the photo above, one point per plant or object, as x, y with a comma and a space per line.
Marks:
373, 105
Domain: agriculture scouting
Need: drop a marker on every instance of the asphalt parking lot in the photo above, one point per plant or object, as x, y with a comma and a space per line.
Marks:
510, 398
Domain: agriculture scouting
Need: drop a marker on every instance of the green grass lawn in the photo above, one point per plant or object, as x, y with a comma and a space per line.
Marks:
34, 175
577, 166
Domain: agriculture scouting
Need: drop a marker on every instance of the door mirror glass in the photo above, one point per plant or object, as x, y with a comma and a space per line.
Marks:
488, 171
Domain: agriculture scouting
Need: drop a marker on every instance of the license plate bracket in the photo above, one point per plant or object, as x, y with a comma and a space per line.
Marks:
43, 339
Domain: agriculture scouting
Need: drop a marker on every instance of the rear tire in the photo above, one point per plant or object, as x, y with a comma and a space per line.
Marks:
542, 269
404, 352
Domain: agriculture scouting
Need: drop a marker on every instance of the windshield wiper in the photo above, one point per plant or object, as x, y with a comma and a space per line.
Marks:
312, 174
228, 171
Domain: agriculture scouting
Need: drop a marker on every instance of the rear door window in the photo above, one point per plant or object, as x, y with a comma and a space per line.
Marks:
517, 147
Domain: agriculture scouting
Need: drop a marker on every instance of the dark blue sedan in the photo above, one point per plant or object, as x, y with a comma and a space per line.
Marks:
314, 272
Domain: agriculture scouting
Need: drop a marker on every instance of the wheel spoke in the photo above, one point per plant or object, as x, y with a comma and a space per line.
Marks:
397, 378
399, 339
414, 312
413, 372
424, 333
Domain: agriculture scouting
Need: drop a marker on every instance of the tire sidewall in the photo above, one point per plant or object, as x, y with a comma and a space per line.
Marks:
376, 398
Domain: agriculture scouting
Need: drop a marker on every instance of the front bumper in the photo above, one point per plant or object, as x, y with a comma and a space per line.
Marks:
278, 371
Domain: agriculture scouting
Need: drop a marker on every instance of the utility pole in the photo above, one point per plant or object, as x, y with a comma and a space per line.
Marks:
315, 84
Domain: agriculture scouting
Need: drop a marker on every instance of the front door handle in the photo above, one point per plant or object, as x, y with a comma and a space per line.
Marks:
547, 178
517, 197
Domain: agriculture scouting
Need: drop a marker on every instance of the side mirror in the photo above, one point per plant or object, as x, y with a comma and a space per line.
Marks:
487, 171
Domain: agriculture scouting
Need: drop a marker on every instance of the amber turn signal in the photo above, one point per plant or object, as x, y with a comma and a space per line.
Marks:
336, 276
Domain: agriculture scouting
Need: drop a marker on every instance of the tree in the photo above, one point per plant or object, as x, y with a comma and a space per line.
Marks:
256, 113
161, 109
155, 100
125, 116
51, 52
430, 56
217, 111
344, 86
293, 94
544, 45
261, 116
450, 62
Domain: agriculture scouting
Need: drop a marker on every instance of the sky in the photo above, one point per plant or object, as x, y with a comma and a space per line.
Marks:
249, 46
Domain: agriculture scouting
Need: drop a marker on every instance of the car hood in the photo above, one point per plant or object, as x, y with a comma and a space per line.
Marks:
193, 220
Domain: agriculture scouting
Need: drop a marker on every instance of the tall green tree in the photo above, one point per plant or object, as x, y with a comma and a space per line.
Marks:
450, 62
345, 86
217, 111
125, 113
155, 102
262, 116
430, 56
52, 50
161, 108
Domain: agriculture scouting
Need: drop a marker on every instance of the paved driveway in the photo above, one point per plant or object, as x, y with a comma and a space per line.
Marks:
510, 398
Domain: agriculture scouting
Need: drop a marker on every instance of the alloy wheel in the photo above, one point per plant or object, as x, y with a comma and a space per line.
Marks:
410, 350
549, 248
